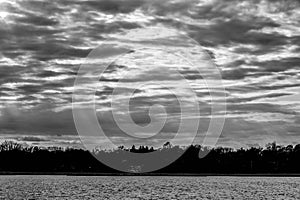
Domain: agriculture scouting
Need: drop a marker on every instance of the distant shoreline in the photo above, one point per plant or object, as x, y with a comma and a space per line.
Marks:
145, 174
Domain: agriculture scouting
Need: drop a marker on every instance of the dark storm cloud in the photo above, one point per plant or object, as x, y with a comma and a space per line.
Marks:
236, 30
37, 20
283, 64
263, 68
114, 68
48, 73
229, 23
107, 91
113, 6
261, 108
48, 8
25, 32
231, 8
32, 139
31, 89
47, 122
28, 98
60, 83
162, 8
191, 74
10, 73
276, 87
41, 32
234, 74
263, 96
48, 49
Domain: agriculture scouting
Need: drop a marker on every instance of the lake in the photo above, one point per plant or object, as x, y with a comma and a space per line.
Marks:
159, 187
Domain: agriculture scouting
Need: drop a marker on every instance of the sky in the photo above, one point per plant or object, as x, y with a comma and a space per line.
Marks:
255, 45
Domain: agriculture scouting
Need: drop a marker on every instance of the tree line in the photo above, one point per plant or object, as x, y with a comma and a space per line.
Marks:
273, 158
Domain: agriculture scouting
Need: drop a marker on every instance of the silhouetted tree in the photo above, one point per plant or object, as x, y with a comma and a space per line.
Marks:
15, 157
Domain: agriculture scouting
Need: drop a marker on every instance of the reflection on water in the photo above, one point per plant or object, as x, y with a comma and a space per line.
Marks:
91, 187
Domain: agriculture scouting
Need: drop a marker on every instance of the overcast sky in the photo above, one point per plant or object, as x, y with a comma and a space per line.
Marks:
254, 43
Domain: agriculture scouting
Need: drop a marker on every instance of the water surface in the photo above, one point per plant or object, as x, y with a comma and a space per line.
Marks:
133, 187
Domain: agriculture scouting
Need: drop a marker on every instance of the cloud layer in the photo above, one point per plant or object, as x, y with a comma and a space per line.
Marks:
255, 44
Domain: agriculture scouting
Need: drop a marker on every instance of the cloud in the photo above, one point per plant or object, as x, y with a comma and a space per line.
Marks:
255, 44
37, 20
32, 139
36, 121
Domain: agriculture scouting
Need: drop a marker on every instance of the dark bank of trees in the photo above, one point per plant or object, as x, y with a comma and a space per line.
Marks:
273, 158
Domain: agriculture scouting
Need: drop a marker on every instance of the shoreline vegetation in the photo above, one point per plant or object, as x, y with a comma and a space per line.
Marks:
272, 160
142, 174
